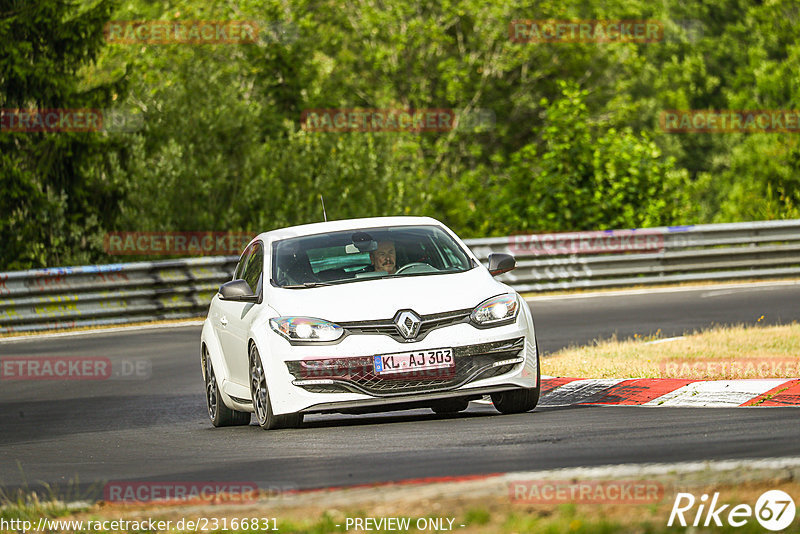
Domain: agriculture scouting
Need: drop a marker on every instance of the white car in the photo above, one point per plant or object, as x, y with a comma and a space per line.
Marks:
365, 315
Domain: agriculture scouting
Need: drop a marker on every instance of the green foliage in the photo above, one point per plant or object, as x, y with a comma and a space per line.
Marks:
581, 175
56, 188
575, 145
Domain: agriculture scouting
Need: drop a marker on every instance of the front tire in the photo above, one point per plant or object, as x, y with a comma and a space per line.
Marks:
220, 414
520, 400
261, 403
516, 401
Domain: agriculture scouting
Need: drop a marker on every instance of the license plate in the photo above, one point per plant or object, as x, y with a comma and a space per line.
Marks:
418, 360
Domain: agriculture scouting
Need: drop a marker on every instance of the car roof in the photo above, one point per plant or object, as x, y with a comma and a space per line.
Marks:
345, 224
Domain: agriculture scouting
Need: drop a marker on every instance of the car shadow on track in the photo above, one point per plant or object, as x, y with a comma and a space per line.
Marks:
326, 420
43, 420
415, 416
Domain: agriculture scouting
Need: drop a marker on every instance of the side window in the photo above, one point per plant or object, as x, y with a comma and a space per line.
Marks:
254, 267
237, 274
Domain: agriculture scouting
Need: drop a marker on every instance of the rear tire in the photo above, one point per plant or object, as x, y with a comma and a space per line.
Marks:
220, 414
450, 406
261, 403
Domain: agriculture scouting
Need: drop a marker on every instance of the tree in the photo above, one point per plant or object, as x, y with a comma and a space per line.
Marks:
586, 176
57, 191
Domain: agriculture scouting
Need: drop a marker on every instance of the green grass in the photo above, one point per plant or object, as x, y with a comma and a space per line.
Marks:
563, 519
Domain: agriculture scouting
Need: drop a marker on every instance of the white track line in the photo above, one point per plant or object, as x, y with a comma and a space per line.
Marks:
682, 289
637, 470
96, 331
665, 340
717, 393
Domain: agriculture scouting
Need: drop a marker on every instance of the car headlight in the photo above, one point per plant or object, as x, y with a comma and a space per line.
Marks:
306, 329
496, 311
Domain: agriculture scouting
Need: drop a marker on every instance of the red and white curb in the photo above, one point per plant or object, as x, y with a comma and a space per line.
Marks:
669, 392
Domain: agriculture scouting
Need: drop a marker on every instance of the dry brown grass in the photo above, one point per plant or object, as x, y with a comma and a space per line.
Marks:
718, 353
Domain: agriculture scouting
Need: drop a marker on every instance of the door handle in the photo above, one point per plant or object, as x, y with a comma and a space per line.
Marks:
224, 321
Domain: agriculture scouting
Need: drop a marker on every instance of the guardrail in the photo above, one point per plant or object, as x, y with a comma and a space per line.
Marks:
670, 254
68, 297
48, 299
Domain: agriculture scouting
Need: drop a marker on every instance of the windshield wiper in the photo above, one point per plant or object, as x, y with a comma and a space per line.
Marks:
306, 285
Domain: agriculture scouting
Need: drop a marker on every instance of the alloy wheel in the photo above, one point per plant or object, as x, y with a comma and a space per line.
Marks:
211, 388
258, 386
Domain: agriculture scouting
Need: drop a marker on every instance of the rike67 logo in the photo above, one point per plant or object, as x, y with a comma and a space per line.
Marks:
774, 510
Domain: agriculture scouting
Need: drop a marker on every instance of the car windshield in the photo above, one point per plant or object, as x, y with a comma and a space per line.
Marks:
354, 255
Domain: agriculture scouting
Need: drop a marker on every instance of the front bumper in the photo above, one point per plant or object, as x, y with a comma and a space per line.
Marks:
341, 376
357, 375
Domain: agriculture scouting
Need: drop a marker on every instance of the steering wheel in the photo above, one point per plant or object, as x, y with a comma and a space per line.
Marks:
409, 265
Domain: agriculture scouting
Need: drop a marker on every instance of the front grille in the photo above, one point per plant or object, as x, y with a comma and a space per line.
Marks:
387, 327
358, 375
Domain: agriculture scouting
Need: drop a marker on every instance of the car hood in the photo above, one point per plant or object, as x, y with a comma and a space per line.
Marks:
382, 298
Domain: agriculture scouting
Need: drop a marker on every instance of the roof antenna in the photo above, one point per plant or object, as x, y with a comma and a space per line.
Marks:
324, 215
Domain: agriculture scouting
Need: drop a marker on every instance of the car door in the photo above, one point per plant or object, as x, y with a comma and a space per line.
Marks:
221, 309
238, 315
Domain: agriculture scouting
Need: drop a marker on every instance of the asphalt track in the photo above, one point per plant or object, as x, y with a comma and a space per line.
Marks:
78, 435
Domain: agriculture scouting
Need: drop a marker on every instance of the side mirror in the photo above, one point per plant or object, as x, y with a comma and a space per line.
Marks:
501, 263
237, 291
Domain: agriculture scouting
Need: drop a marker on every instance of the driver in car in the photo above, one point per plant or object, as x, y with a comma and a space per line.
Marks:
384, 257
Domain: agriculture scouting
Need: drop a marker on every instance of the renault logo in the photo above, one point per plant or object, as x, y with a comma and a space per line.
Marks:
407, 323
